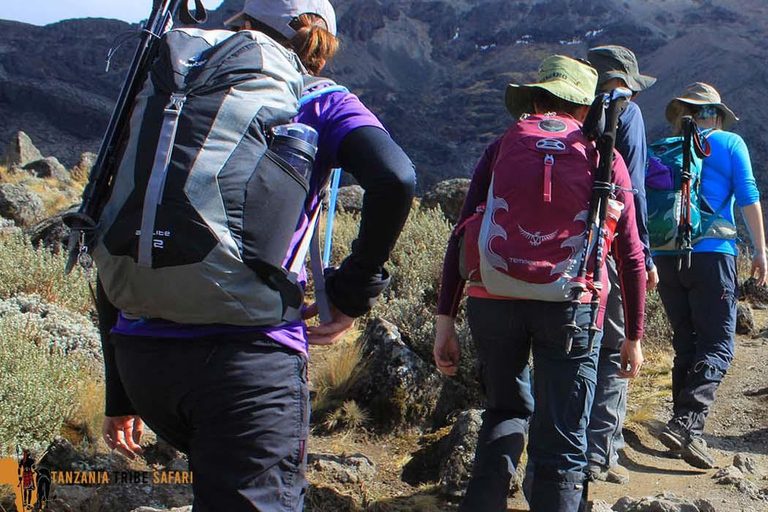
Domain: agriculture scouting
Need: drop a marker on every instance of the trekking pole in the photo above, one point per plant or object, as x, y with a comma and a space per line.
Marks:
685, 228
84, 222
335, 178
613, 103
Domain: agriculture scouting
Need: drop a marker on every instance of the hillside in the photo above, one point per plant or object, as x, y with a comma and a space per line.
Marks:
434, 71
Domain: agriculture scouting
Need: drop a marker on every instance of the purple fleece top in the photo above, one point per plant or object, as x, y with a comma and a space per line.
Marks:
334, 116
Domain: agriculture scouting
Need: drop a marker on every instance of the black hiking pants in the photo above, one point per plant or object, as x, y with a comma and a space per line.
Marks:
700, 302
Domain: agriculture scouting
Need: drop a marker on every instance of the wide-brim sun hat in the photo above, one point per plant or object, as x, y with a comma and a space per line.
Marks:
278, 14
613, 61
566, 78
699, 94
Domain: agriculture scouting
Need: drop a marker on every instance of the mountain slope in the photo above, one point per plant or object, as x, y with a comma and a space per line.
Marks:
434, 70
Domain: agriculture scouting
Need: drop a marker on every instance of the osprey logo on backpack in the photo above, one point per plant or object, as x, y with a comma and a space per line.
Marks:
537, 238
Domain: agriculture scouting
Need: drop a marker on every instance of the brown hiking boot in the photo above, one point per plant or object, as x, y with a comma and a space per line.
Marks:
616, 474
696, 453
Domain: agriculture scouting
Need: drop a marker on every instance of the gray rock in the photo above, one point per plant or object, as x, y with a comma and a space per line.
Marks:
448, 196
756, 294
350, 199
729, 475
51, 233
19, 152
600, 506
664, 502
128, 496
399, 388
749, 488
344, 469
747, 464
745, 321
49, 167
460, 445
82, 170
17, 203
67, 330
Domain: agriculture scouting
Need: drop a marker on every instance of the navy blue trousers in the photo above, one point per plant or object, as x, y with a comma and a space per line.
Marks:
700, 302
238, 407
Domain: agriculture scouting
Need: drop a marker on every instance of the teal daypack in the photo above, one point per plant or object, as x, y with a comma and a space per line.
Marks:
678, 214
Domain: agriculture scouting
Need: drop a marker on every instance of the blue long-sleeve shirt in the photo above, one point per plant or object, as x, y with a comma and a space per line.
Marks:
726, 176
631, 144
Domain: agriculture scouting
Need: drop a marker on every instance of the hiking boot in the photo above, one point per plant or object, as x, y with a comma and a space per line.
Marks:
696, 453
673, 438
616, 474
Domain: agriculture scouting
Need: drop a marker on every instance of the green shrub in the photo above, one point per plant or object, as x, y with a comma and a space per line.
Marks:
38, 271
38, 387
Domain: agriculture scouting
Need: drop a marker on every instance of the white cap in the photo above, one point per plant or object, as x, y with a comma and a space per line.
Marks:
278, 14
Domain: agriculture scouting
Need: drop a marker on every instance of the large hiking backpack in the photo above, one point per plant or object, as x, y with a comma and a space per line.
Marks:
527, 240
202, 216
666, 197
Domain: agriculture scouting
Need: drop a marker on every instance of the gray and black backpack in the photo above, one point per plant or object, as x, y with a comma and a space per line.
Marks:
203, 216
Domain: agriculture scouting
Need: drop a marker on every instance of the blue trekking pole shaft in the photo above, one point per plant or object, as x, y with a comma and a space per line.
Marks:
335, 179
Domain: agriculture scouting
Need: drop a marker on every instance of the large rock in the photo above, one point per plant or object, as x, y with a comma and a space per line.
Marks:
398, 387
343, 469
756, 294
745, 320
664, 502
49, 167
460, 445
747, 464
19, 204
350, 199
51, 233
19, 152
448, 196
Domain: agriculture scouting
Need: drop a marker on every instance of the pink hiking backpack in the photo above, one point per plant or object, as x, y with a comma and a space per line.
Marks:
528, 240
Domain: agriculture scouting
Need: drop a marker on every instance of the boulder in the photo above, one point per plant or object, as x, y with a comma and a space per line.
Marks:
49, 167
350, 199
460, 445
51, 233
448, 196
19, 204
756, 294
664, 502
729, 475
19, 152
82, 170
343, 469
747, 464
745, 320
398, 387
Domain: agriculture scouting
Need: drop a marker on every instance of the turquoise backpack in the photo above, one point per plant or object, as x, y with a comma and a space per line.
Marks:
678, 214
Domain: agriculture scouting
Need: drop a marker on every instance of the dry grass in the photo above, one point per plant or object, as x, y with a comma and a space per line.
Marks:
83, 426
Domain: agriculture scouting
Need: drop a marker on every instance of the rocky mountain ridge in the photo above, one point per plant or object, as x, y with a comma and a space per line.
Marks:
433, 70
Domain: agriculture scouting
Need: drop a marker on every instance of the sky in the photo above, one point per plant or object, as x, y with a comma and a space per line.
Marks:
43, 12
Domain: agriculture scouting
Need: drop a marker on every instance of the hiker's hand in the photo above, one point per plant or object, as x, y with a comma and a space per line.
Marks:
329, 332
123, 433
631, 359
651, 279
759, 267
447, 349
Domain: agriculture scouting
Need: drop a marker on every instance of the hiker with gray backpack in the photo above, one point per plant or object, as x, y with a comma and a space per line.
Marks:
617, 67
540, 215
215, 195
694, 178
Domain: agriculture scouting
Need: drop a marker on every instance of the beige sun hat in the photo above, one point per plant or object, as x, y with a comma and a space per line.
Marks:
700, 93
568, 79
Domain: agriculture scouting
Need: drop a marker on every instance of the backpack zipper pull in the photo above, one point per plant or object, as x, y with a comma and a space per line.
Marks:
549, 162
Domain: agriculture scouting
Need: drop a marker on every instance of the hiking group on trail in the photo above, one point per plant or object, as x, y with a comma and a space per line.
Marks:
205, 201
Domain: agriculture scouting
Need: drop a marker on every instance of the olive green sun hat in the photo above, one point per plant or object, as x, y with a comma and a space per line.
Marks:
568, 79
700, 93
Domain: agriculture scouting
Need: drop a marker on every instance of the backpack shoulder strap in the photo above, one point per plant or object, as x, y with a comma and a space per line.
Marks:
317, 86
